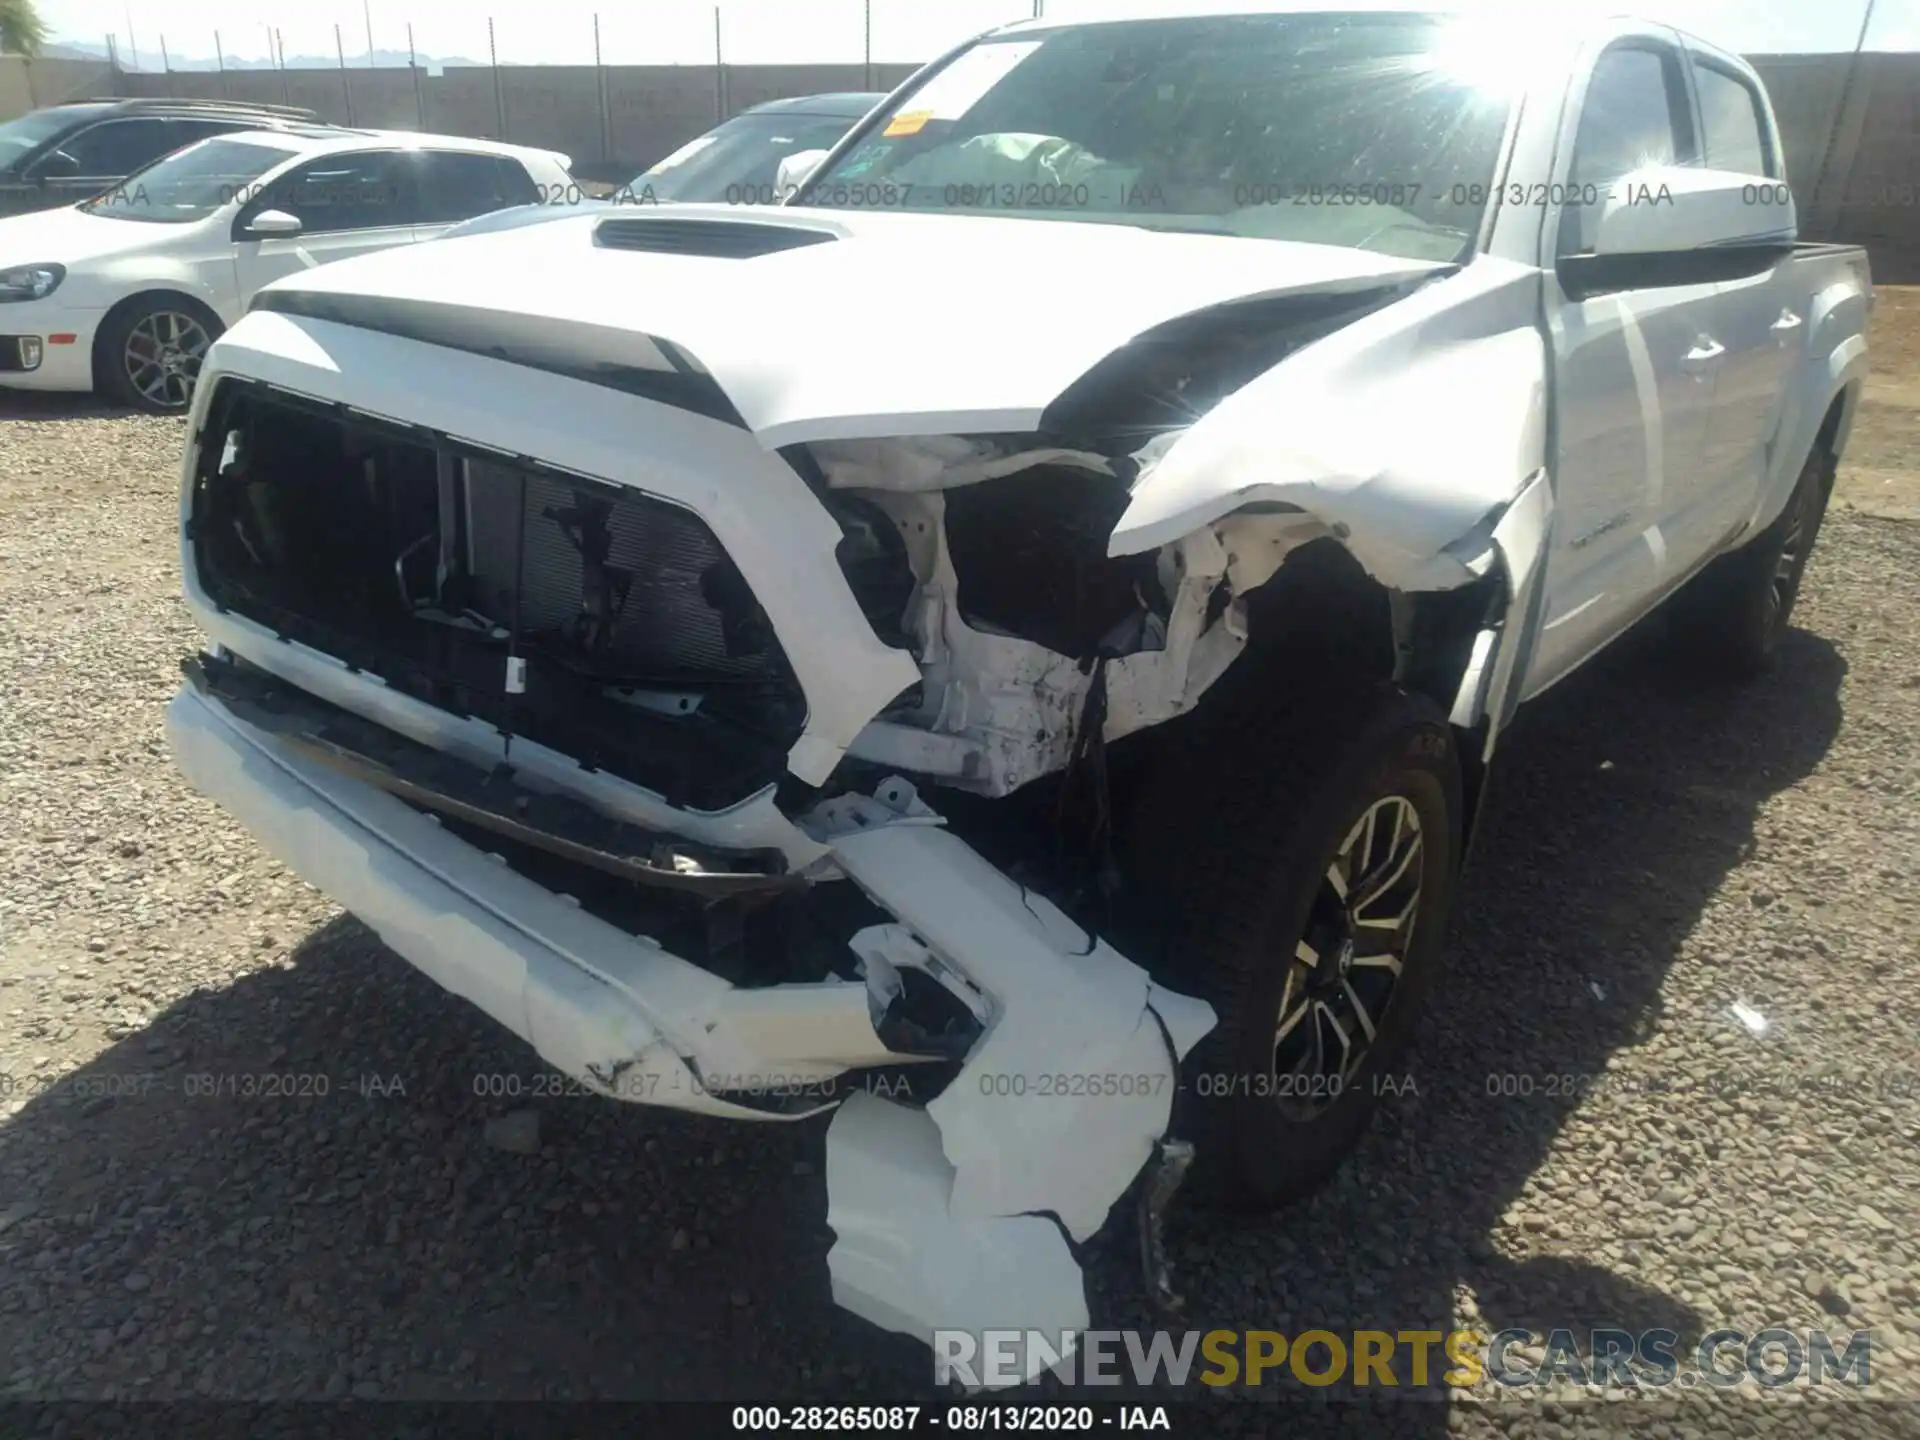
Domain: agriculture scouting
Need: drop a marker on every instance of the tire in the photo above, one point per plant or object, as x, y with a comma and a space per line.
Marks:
1233, 838
1730, 618
150, 352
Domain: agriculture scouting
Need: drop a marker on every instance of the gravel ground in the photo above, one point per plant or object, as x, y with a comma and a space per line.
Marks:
1654, 853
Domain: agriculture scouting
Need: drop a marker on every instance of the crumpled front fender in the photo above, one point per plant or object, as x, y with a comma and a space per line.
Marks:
1400, 433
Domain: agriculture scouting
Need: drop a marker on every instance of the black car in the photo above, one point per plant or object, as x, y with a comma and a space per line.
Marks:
68, 153
735, 163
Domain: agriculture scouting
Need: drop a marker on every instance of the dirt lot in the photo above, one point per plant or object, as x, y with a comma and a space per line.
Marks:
1655, 852
1882, 473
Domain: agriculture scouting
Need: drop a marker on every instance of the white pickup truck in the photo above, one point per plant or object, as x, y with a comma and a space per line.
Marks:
1009, 647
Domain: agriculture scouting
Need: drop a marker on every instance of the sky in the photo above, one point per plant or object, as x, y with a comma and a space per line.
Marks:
665, 32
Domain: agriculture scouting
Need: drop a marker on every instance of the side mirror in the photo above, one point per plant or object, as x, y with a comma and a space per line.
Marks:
794, 171
1679, 225
273, 222
55, 165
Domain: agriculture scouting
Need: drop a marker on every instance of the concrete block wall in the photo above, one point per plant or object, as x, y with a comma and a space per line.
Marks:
1875, 170
28, 85
1851, 130
624, 116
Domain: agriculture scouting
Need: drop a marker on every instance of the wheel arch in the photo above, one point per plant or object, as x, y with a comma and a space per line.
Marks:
1322, 614
110, 321
1837, 424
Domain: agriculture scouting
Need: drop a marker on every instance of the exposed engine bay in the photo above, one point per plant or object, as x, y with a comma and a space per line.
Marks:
615, 628
1020, 620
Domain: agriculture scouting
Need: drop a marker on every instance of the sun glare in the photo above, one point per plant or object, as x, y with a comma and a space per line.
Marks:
1489, 52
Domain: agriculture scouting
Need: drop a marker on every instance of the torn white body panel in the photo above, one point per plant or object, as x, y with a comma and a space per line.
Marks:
904, 1261
592, 999
1066, 1007
942, 1215
1401, 431
1489, 688
1521, 538
933, 1207
561, 979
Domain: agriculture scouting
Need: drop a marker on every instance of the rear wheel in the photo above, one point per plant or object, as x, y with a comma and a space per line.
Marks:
1303, 861
1730, 618
151, 353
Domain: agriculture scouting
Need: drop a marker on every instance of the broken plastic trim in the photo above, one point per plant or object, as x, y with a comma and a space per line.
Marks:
957, 1216
962, 1216
496, 802
705, 758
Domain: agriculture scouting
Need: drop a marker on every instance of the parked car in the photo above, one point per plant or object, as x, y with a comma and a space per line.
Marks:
1011, 644
125, 292
735, 163
71, 152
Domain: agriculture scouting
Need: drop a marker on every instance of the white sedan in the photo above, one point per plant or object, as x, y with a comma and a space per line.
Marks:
125, 292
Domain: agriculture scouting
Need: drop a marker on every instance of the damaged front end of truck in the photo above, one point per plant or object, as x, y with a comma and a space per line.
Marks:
762, 763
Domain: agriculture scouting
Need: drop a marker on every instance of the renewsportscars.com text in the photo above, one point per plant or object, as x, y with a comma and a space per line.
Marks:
1769, 1358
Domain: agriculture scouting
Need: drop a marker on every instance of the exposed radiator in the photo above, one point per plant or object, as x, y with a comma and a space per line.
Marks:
664, 573
606, 624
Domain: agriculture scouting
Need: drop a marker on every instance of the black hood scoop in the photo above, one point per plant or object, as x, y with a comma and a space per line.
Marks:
720, 239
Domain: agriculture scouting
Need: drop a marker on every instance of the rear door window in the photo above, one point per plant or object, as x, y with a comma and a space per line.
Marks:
363, 190
455, 185
1733, 116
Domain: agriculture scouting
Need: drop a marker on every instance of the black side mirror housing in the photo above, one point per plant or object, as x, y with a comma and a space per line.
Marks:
55, 165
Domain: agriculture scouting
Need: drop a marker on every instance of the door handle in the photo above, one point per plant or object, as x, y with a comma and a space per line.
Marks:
1786, 324
1705, 351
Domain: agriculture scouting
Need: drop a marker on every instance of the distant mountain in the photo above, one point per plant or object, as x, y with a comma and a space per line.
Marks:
51, 51
384, 59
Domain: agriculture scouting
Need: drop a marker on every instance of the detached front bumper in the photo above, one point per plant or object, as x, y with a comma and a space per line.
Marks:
938, 1211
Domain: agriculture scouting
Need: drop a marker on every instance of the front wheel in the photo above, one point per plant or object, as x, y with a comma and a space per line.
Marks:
1304, 860
151, 353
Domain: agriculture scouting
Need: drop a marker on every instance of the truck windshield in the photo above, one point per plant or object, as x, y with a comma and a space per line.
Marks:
1379, 131
190, 184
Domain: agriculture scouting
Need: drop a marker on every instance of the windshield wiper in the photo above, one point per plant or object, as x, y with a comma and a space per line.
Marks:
1188, 229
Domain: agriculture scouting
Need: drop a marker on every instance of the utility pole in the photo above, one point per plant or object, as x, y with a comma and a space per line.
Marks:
346, 85
600, 88
499, 95
1820, 185
366, 11
413, 64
